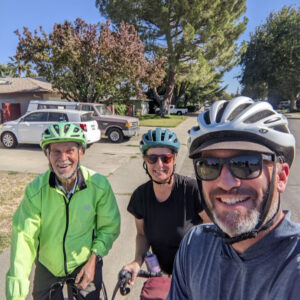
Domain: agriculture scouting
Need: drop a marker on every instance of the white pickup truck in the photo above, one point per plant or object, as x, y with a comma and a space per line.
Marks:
177, 111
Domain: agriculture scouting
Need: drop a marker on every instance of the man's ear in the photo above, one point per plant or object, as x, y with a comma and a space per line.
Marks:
283, 174
46, 151
81, 152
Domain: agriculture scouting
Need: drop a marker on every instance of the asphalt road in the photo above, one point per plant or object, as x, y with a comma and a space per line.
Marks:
122, 163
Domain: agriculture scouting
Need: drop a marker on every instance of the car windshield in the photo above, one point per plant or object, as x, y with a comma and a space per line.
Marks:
103, 110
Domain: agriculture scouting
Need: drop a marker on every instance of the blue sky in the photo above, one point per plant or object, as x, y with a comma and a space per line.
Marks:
34, 13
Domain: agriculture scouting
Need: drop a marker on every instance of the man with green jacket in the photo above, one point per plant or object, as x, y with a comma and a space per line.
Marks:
66, 222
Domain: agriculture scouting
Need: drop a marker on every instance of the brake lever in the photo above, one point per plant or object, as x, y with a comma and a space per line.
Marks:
124, 277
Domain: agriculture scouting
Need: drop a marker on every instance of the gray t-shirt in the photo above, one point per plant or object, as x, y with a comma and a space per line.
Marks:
207, 268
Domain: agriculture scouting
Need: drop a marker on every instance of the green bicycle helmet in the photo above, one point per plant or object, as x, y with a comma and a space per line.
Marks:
63, 132
159, 138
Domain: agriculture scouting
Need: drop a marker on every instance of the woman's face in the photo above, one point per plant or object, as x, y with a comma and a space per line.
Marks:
162, 166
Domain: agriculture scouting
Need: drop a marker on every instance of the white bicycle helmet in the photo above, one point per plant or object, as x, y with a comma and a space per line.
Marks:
243, 120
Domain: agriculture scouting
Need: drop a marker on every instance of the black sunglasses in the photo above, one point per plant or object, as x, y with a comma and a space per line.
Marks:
241, 166
153, 158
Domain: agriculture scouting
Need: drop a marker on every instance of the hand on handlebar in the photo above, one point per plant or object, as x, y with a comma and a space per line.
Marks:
134, 269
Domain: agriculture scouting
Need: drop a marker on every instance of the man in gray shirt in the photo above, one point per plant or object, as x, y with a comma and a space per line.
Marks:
242, 151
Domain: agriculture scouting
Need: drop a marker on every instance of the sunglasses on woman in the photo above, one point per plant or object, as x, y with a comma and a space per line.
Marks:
240, 166
153, 158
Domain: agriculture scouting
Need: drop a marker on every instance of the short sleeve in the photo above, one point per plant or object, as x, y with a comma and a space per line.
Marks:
136, 204
196, 196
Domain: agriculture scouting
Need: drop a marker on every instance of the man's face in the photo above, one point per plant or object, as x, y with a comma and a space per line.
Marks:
236, 203
64, 159
161, 171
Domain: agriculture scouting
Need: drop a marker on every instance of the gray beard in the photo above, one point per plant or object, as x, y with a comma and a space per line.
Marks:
234, 225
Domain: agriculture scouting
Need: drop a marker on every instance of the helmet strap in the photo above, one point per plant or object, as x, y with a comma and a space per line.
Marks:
157, 182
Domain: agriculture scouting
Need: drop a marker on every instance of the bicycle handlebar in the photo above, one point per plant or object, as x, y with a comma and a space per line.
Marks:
125, 277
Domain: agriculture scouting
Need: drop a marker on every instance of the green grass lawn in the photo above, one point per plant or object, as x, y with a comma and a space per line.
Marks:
152, 120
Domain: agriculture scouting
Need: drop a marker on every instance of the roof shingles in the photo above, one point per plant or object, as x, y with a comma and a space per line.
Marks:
24, 85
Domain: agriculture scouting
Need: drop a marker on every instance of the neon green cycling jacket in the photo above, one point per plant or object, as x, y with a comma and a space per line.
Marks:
65, 232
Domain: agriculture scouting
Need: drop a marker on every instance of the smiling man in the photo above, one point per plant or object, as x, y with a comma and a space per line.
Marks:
67, 221
242, 152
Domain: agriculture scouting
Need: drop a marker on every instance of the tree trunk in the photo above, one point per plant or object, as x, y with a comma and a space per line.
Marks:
169, 91
274, 97
166, 99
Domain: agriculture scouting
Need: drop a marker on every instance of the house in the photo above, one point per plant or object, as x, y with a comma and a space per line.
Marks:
138, 107
19, 91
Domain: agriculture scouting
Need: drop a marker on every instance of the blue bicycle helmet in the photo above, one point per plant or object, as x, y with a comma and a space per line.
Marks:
159, 138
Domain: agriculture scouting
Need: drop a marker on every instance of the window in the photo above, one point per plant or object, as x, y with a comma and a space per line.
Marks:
87, 117
87, 108
103, 110
36, 117
58, 117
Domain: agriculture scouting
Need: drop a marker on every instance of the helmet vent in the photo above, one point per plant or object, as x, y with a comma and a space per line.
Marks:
220, 112
272, 120
75, 129
239, 109
153, 136
206, 117
281, 128
56, 128
162, 136
259, 116
66, 128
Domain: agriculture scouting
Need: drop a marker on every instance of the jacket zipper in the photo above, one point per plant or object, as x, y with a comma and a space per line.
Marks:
65, 234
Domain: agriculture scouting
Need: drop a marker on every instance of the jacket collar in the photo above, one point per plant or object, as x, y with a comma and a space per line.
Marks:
81, 182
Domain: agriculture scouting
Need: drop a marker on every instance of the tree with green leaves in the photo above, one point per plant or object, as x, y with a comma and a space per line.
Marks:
197, 37
271, 64
89, 62
15, 70
6, 71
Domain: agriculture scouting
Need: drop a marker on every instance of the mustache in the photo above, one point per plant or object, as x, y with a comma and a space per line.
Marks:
236, 191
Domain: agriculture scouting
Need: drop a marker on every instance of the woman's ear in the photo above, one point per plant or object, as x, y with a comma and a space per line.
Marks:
282, 175
175, 158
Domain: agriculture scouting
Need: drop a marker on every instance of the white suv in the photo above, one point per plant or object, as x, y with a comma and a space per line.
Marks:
28, 129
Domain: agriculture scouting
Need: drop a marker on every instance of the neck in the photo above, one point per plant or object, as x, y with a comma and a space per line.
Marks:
242, 246
163, 191
68, 184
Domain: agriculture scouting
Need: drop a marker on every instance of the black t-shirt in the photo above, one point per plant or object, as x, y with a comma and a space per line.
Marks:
165, 223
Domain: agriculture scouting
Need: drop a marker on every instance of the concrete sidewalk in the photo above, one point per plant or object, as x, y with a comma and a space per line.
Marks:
122, 164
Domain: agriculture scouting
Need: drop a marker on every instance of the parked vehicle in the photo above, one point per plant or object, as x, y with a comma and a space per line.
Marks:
177, 111
284, 105
171, 109
115, 127
28, 128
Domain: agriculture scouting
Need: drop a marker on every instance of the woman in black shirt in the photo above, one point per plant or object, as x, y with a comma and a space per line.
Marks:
166, 206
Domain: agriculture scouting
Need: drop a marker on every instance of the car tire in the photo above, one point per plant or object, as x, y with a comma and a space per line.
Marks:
179, 113
115, 135
9, 140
